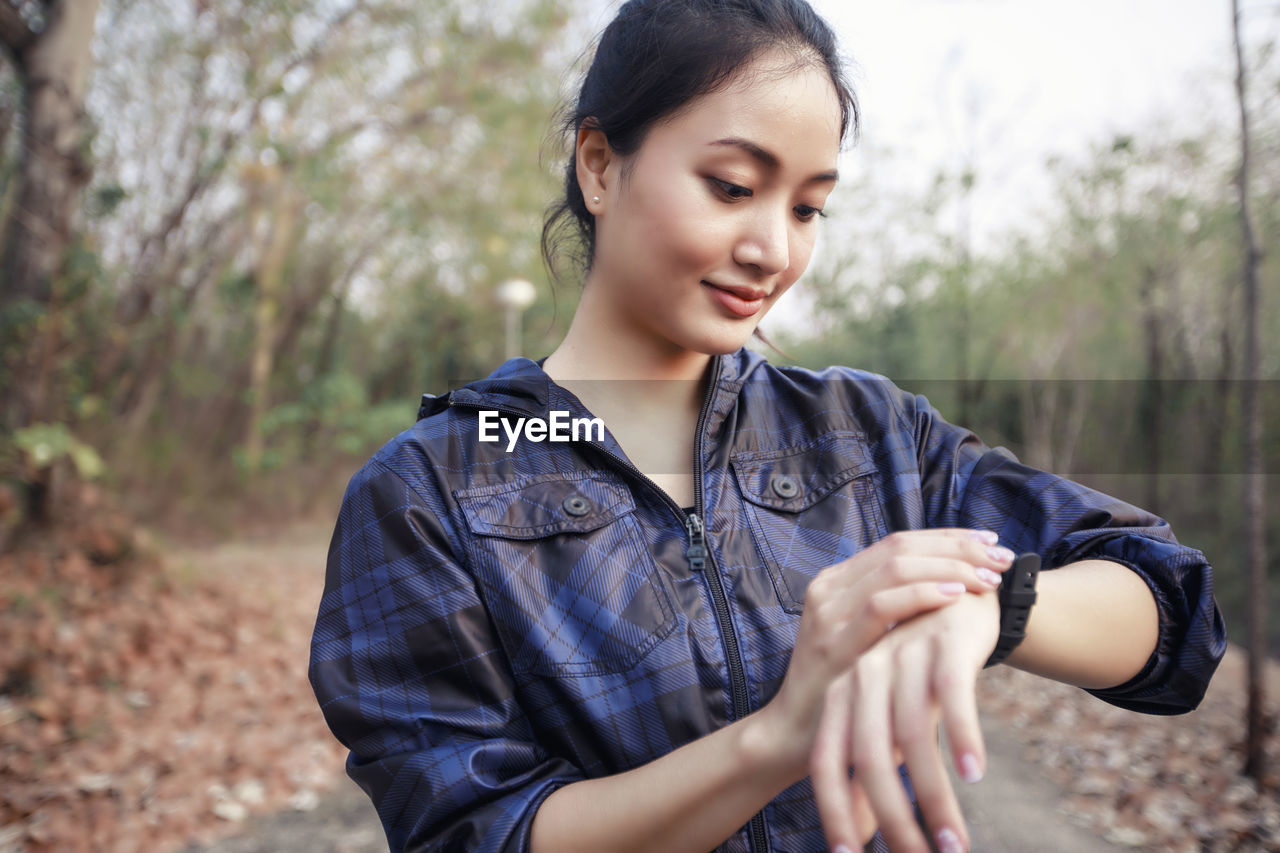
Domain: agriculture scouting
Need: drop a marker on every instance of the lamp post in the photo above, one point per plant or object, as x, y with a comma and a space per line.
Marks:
515, 295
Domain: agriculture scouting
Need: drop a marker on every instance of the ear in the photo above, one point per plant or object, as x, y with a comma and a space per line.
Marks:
596, 167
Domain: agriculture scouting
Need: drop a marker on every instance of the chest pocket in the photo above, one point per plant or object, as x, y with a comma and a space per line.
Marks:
568, 577
809, 506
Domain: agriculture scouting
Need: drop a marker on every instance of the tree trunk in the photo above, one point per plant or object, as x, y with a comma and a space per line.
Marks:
1152, 403
269, 277
53, 68
138, 412
1257, 723
8, 114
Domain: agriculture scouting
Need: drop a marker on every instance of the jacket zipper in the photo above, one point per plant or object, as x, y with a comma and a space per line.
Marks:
698, 554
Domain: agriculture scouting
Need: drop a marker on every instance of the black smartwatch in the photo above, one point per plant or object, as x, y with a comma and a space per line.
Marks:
1017, 593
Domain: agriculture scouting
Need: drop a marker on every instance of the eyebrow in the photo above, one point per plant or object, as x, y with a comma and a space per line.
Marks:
770, 160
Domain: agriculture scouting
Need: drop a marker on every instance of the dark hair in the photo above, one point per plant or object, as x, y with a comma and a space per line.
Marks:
658, 55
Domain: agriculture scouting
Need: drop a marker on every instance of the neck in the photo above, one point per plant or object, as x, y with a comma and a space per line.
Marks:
648, 391
600, 345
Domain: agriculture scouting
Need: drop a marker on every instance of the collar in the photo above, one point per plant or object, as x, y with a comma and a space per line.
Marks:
522, 386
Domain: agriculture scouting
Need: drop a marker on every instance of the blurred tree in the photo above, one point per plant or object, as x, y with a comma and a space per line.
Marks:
48, 44
1258, 724
298, 212
279, 228
321, 191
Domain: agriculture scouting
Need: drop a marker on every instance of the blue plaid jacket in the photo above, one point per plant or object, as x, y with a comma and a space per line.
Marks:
498, 624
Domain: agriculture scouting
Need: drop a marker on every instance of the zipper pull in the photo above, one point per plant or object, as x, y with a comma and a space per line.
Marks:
697, 552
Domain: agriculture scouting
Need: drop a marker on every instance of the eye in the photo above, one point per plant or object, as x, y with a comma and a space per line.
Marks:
805, 213
729, 190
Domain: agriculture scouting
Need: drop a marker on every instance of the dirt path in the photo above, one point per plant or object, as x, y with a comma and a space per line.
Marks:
1012, 811
342, 822
1015, 808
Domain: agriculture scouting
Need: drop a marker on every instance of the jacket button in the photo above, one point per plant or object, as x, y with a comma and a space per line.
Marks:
576, 505
784, 486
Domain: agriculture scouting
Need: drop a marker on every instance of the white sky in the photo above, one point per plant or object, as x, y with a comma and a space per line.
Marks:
1069, 69
1018, 80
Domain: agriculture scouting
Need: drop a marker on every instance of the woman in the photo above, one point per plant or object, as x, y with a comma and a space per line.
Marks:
684, 633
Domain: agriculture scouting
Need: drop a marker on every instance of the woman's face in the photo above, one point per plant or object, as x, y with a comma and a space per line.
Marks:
702, 229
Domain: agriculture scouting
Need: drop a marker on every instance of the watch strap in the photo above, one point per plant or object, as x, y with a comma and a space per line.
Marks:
1017, 594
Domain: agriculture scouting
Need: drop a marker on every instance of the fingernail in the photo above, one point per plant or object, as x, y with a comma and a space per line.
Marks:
988, 576
953, 587
970, 770
987, 536
1000, 554
840, 848
948, 841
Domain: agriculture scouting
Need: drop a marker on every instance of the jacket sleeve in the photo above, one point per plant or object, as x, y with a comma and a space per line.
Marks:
967, 484
411, 679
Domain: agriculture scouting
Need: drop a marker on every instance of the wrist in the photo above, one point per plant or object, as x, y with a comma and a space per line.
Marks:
975, 623
990, 608
767, 744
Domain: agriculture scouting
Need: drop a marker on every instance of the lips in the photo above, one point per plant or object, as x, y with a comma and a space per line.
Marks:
739, 301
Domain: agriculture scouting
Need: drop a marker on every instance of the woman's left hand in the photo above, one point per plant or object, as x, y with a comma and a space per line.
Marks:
886, 710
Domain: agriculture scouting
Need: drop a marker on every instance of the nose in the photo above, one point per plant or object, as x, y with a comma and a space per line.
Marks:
764, 243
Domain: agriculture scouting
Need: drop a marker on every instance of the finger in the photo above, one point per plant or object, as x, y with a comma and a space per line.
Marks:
873, 756
975, 534
954, 684
920, 568
977, 547
886, 606
916, 730
912, 556
896, 604
862, 813
829, 767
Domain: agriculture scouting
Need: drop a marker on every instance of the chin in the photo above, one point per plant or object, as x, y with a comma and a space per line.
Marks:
721, 344
728, 349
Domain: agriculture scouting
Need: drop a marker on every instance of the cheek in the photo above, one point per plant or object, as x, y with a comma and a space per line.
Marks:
684, 230
697, 247
801, 253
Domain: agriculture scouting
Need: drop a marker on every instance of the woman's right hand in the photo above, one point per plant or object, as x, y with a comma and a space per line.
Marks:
850, 605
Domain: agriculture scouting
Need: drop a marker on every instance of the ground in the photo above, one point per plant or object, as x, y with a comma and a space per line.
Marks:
1012, 811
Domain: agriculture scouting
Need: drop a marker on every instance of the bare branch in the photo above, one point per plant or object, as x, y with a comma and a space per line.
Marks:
15, 33
143, 280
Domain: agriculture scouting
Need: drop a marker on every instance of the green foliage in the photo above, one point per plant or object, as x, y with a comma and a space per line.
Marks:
333, 414
104, 200
237, 288
43, 445
82, 270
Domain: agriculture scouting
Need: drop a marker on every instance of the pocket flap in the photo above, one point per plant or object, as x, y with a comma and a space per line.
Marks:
792, 479
545, 505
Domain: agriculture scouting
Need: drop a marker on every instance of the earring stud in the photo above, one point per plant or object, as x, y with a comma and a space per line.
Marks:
595, 199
